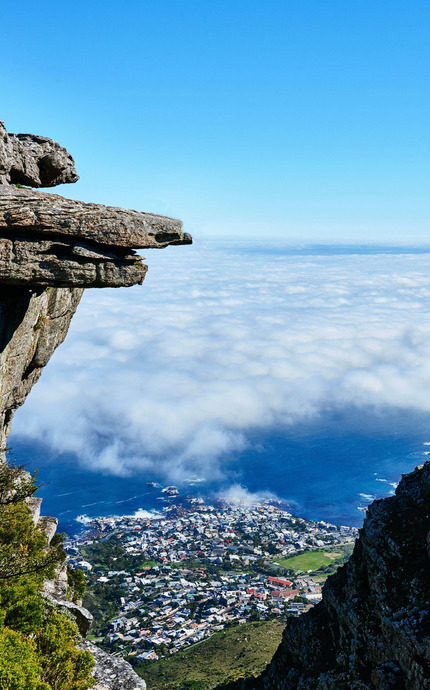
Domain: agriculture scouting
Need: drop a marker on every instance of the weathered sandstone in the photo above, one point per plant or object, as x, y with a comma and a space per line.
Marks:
50, 249
33, 322
33, 160
46, 240
112, 673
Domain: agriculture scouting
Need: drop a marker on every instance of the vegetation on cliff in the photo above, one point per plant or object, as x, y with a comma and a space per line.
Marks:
37, 642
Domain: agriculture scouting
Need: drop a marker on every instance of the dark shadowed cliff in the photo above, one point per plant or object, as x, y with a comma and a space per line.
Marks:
372, 628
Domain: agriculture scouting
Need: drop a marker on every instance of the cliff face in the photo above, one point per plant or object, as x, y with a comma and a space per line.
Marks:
372, 629
33, 322
51, 249
46, 240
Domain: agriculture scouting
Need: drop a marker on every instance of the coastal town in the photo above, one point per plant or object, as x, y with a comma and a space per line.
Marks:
176, 578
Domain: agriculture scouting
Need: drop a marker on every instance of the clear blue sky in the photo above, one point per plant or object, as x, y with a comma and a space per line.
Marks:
296, 120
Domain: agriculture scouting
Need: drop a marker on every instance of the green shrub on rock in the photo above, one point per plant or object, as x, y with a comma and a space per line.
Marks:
76, 584
19, 664
64, 666
37, 643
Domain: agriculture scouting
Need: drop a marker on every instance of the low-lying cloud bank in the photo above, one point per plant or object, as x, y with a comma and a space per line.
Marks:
240, 496
218, 343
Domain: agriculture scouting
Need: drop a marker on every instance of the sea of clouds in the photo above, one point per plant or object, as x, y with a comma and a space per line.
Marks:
221, 342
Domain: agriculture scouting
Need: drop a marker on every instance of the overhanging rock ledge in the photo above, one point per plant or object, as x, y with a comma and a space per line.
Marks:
51, 249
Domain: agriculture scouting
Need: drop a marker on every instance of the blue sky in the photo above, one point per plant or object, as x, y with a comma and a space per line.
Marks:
295, 120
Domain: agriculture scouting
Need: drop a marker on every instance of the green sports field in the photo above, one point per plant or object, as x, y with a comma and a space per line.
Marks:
314, 560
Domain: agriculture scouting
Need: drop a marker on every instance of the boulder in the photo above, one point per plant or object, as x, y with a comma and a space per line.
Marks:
112, 673
32, 160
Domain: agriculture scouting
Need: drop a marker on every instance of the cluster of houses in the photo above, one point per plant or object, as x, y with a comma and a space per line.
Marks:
168, 609
206, 568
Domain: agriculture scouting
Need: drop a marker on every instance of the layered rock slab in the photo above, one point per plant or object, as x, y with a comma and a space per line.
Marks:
47, 240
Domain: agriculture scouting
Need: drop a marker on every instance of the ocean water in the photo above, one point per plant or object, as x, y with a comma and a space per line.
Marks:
330, 471
298, 374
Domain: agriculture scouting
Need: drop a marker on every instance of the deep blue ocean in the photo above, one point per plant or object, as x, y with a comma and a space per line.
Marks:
327, 471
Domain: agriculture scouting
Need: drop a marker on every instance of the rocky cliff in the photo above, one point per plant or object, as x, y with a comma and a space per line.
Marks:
372, 629
51, 249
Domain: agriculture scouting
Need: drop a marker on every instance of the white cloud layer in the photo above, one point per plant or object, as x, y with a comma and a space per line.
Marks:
219, 343
240, 496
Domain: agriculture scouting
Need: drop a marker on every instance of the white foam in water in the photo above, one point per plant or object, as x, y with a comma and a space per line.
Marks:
84, 519
141, 513
97, 503
367, 497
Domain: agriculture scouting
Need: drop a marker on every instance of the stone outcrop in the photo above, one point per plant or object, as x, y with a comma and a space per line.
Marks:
33, 160
55, 591
112, 673
83, 618
46, 240
372, 629
51, 249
